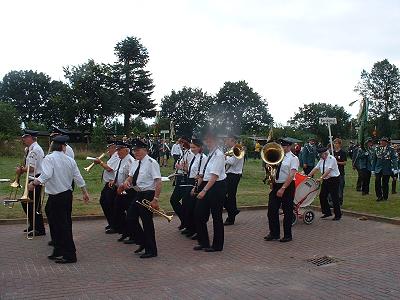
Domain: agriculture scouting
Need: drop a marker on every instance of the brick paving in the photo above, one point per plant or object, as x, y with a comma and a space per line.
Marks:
248, 268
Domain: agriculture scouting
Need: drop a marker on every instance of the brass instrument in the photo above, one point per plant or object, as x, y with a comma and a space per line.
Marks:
88, 168
160, 212
236, 151
272, 154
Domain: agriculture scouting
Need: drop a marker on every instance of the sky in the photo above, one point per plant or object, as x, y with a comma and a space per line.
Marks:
292, 52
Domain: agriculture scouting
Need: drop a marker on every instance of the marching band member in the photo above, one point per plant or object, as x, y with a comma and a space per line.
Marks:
33, 167
234, 169
212, 191
282, 195
384, 161
145, 179
121, 201
181, 188
68, 149
58, 171
308, 155
363, 163
176, 152
329, 169
189, 200
108, 192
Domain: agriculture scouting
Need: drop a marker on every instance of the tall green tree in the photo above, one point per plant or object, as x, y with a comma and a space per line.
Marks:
28, 91
93, 99
307, 119
239, 109
187, 108
9, 120
132, 82
381, 87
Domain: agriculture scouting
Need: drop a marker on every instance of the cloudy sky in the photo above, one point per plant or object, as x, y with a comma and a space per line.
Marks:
291, 52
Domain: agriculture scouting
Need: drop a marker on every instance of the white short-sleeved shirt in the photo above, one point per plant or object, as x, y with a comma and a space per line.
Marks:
35, 158
289, 162
331, 164
148, 172
234, 165
112, 162
58, 171
69, 151
197, 166
123, 172
215, 165
176, 149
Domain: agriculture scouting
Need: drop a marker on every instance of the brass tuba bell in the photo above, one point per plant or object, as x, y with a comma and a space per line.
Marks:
236, 151
272, 154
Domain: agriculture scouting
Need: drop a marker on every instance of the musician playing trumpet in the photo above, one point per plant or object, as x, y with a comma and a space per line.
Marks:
33, 167
145, 179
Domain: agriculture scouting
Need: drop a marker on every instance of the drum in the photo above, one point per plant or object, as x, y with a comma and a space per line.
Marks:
306, 191
299, 178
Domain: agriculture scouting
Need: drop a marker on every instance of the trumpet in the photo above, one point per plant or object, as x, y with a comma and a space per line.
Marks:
272, 154
236, 151
88, 168
160, 212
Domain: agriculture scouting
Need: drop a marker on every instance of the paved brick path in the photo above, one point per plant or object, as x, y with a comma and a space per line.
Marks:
248, 268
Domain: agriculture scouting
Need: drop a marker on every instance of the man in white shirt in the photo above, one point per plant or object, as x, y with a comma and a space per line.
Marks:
145, 179
329, 169
33, 167
108, 192
58, 171
176, 152
58, 131
211, 197
282, 195
234, 169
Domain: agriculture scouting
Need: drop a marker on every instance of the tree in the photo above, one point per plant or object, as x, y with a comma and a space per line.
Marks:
381, 87
9, 120
28, 91
132, 81
92, 97
237, 108
307, 119
187, 108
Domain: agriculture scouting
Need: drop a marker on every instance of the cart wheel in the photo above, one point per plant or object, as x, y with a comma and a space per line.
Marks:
294, 219
308, 217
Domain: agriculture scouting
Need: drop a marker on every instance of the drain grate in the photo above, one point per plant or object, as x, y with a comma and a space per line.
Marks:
323, 260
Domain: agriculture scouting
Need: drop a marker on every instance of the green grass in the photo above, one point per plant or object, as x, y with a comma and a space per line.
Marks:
251, 191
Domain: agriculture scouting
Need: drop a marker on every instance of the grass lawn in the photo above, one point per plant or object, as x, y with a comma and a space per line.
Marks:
251, 191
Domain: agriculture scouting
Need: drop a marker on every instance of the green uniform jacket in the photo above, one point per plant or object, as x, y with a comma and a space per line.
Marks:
308, 155
384, 160
363, 159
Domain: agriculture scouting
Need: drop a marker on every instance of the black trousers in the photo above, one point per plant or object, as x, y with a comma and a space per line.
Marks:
382, 185
230, 204
107, 198
120, 208
365, 180
330, 187
286, 202
360, 178
188, 206
176, 158
308, 169
144, 236
175, 200
35, 212
59, 209
212, 202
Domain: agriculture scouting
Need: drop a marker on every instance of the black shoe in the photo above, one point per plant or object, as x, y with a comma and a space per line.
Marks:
50, 243
37, 233
185, 231
111, 231
237, 212
140, 249
54, 256
211, 249
199, 247
194, 237
269, 237
123, 237
336, 218
379, 199
228, 222
28, 230
189, 234
64, 260
148, 255
107, 227
285, 239
130, 242
181, 227
325, 216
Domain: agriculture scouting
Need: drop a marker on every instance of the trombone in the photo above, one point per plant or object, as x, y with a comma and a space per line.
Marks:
160, 212
88, 168
236, 151
272, 154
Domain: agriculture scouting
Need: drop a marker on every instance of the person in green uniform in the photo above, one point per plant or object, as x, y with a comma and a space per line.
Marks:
309, 155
